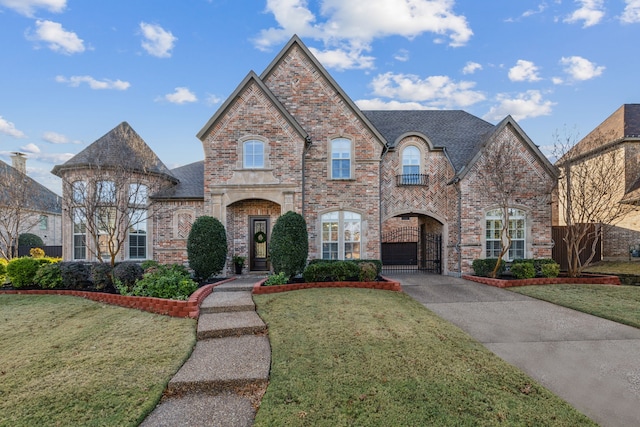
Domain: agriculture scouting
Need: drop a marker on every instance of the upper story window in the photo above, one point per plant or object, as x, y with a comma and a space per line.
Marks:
411, 166
106, 191
79, 191
253, 154
341, 158
138, 194
44, 222
517, 233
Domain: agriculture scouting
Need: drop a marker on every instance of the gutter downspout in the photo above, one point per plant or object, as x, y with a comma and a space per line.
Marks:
307, 146
385, 150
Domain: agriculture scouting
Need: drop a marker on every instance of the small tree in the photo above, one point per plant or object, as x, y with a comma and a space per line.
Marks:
207, 247
30, 240
289, 245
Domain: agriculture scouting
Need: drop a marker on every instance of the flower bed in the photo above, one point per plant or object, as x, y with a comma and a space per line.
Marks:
174, 308
586, 279
385, 284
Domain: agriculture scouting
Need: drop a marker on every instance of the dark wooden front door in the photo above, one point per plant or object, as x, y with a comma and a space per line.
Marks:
259, 230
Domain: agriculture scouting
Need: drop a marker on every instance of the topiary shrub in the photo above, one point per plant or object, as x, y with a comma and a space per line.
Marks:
75, 275
206, 247
165, 281
483, 267
523, 270
21, 271
30, 240
101, 276
49, 276
289, 245
331, 271
126, 274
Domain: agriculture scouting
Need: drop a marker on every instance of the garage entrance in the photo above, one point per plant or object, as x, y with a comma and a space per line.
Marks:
411, 249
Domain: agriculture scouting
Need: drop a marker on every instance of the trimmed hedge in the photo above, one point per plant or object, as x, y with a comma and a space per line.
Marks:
340, 271
483, 267
289, 244
523, 270
22, 271
207, 247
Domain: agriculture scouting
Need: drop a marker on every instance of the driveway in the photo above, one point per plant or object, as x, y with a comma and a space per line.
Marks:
592, 363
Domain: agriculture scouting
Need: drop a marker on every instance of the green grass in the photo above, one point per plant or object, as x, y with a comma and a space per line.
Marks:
615, 267
69, 361
353, 357
618, 303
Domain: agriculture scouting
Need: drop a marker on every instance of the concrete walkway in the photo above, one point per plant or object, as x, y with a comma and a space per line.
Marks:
223, 380
592, 363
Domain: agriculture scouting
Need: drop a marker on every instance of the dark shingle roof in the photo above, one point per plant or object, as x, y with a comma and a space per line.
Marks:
120, 147
190, 185
461, 134
42, 200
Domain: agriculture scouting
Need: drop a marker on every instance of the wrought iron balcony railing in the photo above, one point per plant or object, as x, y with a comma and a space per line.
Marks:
412, 179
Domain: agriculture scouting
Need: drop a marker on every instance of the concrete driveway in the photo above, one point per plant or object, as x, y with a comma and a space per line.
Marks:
592, 363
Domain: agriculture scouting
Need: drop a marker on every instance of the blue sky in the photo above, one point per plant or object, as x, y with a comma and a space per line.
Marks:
72, 70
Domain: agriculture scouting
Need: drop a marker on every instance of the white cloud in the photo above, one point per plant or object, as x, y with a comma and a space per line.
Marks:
58, 39
402, 55
433, 91
28, 7
157, 41
580, 68
76, 81
9, 128
181, 95
631, 12
591, 13
53, 158
524, 71
525, 105
379, 104
213, 100
471, 67
57, 138
30, 148
348, 28
342, 59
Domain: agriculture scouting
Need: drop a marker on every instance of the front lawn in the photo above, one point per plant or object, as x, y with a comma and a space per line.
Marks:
343, 357
618, 303
68, 361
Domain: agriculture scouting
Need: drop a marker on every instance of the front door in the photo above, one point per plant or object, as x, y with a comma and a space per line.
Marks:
258, 234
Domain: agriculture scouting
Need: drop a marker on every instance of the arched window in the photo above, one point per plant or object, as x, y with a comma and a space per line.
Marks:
340, 158
517, 232
411, 165
253, 154
341, 235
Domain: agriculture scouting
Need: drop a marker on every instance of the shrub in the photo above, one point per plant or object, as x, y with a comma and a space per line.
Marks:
484, 267
207, 247
126, 274
149, 264
36, 253
75, 275
376, 262
49, 276
3, 270
30, 240
289, 245
523, 270
165, 281
331, 271
101, 275
550, 270
276, 279
368, 272
21, 271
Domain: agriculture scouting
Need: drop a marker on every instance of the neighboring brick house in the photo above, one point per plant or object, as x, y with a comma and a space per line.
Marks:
27, 206
292, 139
614, 146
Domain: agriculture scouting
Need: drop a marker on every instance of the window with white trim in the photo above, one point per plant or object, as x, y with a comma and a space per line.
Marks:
253, 154
341, 235
79, 235
138, 234
106, 191
44, 222
341, 158
411, 165
517, 233
79, 191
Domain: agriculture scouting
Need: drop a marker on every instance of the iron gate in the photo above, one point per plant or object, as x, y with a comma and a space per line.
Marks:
410, 249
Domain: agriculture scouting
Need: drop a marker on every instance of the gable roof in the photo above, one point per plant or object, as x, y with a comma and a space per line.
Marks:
252, 77
295, 41
457, 132
42, 200
190, 185
119, 147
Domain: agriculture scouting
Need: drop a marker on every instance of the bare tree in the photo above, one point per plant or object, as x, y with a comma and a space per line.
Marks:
590, 189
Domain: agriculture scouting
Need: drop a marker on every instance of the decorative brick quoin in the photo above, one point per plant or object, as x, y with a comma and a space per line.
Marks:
370, 184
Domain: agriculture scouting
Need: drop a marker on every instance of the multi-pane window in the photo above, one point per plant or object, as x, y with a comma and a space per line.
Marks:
517, 233
79, 235
138, 234
44, 222
78, 191
411, 165
106, 225
253, 154
340, 159
138, 194
106, 191
341, 235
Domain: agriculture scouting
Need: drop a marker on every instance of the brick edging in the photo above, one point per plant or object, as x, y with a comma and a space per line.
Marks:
387, 285
168, 307
501, 283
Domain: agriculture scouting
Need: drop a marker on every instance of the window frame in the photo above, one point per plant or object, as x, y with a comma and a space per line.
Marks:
79, 231
517, 232
413, 177
246, 155
341, 233
333, 151
138, 232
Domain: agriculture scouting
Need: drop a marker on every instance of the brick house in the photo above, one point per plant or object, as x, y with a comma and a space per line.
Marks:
370, 184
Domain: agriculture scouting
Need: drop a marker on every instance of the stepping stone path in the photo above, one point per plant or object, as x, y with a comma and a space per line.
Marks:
221, 384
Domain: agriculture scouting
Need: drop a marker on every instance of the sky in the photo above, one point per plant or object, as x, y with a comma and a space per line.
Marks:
71, 70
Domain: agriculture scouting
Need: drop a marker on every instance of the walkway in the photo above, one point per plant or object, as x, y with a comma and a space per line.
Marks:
221, 384
592, 363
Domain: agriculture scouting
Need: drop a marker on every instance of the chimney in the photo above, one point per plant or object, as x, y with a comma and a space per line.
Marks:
19, 162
